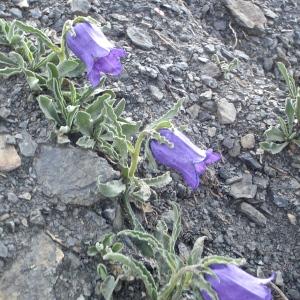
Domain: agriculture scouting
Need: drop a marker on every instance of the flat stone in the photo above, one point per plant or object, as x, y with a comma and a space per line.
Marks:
211, 69
4, 112
27, 145
3, 252
71, 174
253, 214
248, 141
16, 12
247, 14
80, 6
250, 161
193, 111
209, 81
9, 158
140, 38
243, 189
156, 93
33, 273
226, 112
21, 3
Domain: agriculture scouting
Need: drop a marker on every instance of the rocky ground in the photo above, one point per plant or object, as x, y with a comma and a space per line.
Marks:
248, 205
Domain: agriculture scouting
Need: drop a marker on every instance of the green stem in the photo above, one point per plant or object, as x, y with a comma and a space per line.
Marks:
136, 154
165, 294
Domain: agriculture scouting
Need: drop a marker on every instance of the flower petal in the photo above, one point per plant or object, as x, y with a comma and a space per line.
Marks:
235, 284
110, 64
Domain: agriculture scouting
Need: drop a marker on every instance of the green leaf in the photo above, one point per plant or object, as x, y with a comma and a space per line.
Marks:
33, 83
66, 67
168, 115
119, 108
289, 80
130, 129
283, 126
92, 251
272, 147
159, 181
84, 123
138, 270
196, 254
86, 142
108, 286
95, 108
71, 114
290, 113
52, 70
176, 226
275, 134
102, 271
7, 72
117, 247
48, 108
149, 156
112, 188
215, 259
38, 33
296, 141
297, 107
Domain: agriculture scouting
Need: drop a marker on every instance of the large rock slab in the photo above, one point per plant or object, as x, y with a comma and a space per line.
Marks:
9, 158
247, 14
33, 274
71, 174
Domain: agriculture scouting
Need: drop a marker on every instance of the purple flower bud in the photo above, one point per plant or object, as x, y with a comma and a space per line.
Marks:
232, 283
92, 47
185, 157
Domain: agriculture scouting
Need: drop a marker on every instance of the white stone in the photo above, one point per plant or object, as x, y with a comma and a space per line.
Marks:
226, 112
248, 141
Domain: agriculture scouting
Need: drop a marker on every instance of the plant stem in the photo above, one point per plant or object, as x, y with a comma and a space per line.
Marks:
136, 154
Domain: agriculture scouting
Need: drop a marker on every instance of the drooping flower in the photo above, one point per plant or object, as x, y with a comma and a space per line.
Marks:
98, 54
184, 157
232, 283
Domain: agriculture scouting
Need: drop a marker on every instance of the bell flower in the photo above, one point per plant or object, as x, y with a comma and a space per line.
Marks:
232, 283
98, 54
184, 157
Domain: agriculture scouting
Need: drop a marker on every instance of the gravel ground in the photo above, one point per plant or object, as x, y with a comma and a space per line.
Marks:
249, 203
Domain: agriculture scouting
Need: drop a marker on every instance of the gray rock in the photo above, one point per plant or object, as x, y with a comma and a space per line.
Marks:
36, 13
280, 200
193, 111
16, 12
4, 112
21, 3
33, 273
253, 214
3, 251
211, 69
9, 158
206, 96
80, 6
210, 48
140, 38
36, 218
27, 145
209, 81
156, 93
109, 214
243, 189
247, 14
71, 174
236, 149
250, 161
226, 112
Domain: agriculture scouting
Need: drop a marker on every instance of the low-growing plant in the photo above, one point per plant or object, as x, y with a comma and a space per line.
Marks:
165, 274
286, 131
226, 67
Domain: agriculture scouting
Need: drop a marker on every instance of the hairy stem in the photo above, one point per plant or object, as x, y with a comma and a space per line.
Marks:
136, 154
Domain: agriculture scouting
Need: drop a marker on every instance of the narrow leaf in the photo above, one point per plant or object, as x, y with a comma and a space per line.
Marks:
112, 188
